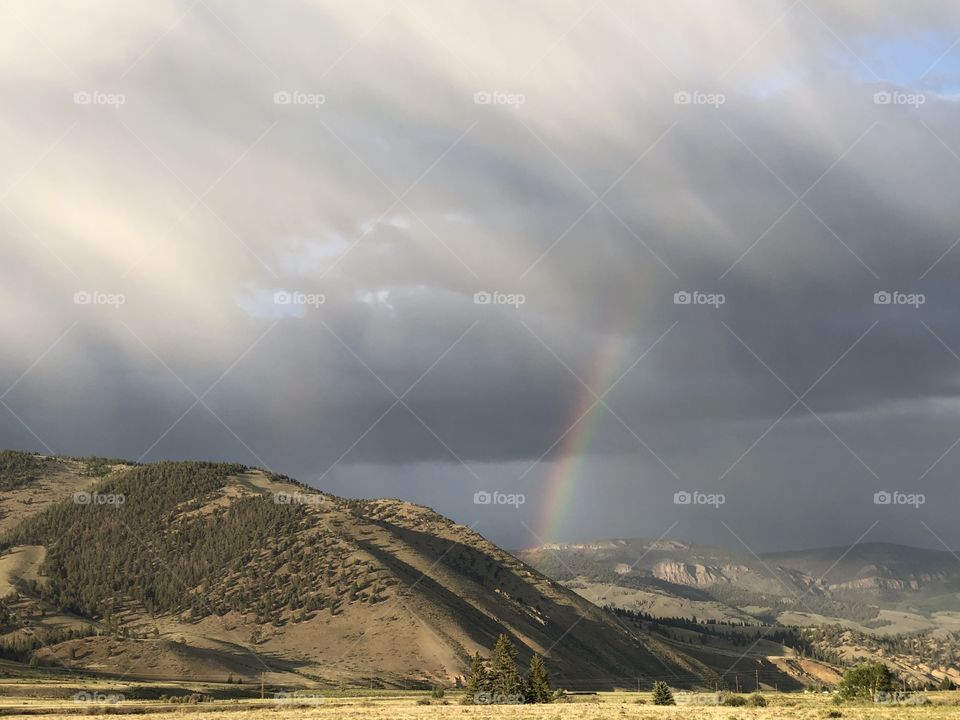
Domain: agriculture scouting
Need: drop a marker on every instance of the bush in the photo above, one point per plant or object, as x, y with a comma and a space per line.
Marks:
757, 700
423, 701
437, 692
662, 695
734, 701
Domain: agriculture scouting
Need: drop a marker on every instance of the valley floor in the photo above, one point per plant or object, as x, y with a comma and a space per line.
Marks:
406, 706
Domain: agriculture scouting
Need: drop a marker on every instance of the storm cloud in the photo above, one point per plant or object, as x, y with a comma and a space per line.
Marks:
268, 234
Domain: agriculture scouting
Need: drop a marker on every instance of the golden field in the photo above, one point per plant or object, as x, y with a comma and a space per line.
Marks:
408, 706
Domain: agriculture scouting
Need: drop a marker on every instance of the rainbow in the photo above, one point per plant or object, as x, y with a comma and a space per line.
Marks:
564, 479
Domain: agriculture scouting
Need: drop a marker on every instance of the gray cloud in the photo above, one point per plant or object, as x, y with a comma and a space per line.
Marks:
398, 197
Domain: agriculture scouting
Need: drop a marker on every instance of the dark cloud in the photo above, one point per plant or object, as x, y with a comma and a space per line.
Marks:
582, 186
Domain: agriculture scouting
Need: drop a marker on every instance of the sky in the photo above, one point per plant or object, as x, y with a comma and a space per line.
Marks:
559, 270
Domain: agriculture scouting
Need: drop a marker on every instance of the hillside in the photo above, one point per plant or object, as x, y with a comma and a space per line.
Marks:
874, 601
856, 584
208, 570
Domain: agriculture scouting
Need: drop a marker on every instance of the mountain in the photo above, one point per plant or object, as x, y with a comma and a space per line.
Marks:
210, 570
876, 567
867, 584
875, 600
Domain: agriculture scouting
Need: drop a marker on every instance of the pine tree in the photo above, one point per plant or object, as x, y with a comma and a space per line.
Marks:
662, 694
538, 682
478, 681
505, 680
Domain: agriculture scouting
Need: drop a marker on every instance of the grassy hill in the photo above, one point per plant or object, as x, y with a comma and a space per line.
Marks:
209, 570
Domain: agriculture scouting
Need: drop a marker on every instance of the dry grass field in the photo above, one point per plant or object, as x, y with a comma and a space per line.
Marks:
409, 706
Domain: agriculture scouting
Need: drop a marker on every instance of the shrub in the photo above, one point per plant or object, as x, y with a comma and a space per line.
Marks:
735, 701
423, 701
757, 700
437, 692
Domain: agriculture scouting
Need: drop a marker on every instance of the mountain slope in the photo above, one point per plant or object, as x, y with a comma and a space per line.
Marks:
209, 570
873, 566
873, 601
857, 584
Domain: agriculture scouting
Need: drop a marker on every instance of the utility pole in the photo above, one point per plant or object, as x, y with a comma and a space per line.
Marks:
738, 683
757, 671
261, 685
